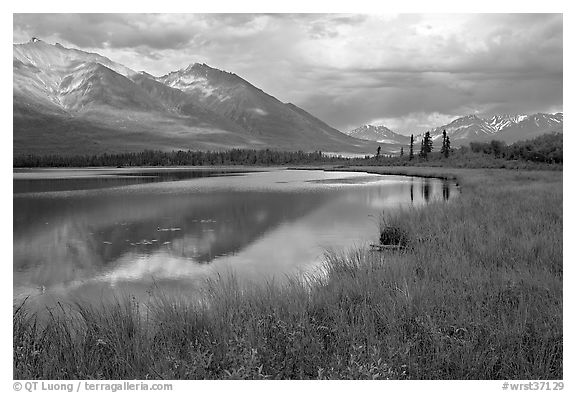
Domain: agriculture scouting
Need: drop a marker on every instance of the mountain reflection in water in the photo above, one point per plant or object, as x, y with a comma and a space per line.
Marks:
173, 233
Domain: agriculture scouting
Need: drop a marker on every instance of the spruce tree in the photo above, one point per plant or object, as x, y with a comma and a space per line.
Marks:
411, 156
426, 145
401, 152
447, 147
443, 150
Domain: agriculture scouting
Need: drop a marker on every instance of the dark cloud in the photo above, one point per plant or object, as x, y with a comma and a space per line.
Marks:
409, 70
107, 30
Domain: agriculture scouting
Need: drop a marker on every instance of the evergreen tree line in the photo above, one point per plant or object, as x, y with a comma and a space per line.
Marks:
426, 146
176, 158
545, 148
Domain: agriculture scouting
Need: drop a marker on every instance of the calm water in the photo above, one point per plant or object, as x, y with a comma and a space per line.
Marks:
91, 233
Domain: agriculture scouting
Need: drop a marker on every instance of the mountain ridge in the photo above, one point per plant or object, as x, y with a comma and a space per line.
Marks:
73, 101
113, 108
470, 128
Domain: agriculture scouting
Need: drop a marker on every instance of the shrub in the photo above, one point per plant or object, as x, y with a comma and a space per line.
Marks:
392, 235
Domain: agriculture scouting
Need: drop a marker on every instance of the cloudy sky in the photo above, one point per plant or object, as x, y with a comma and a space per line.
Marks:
409, 72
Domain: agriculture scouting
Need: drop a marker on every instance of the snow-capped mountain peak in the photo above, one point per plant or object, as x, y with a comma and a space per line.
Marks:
86, 102
499, 122
507, 127
466, 127
378, 133
59, 59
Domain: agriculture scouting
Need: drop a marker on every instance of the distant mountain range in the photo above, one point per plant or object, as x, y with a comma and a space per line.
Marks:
506, 128
463, 130
69, 101
379, 134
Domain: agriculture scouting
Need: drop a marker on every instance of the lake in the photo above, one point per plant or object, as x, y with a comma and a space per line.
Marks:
92, 233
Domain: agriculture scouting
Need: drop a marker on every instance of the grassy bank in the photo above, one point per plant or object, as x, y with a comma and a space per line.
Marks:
477, 294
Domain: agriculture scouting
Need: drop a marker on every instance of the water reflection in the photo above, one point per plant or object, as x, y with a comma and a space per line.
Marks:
172, 234
86, 179
446, 190
427, 185
426, 189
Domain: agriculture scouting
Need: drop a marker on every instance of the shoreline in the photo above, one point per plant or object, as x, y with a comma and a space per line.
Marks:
478, 296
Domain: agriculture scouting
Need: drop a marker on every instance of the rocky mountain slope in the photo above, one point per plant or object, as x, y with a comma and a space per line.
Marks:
70, 101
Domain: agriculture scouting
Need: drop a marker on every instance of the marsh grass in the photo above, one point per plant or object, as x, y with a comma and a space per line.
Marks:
477, 294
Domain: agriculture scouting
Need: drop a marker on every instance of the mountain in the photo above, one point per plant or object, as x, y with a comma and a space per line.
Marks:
260, 114
499, 122
506, 128
465, 128
380, 134
69, 101
529, 127
471, 128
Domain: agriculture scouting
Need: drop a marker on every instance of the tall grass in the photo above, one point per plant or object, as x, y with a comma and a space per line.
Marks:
475, 294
